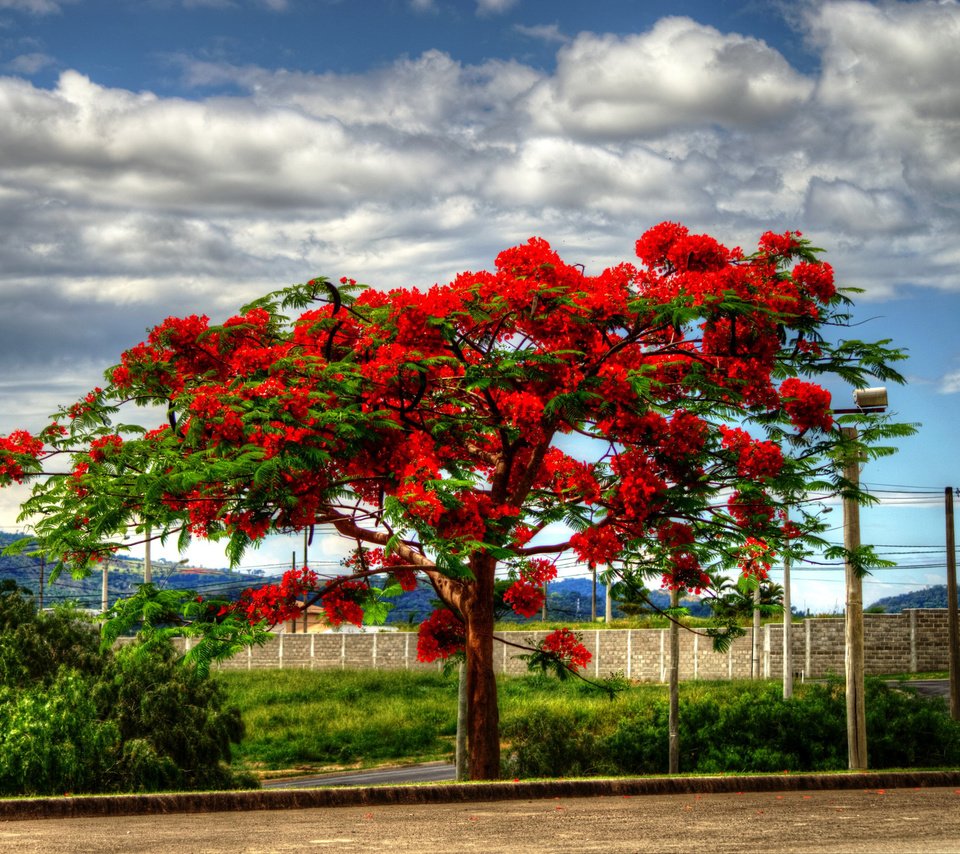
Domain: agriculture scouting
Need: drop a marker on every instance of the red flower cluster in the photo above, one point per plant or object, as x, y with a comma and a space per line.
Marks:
103, 446
363, 559
526, 595
539, 571
596, 545
684, 573
566, 646
807, 404
343, 604
754, 558
441, 635
84, 406
758, 460
751, 510
671, 246
525, 598
13, 449
815, 279
783, 245
276, 603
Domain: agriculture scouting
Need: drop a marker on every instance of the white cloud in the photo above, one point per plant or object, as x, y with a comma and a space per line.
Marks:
36, 7
209, 4
679, 75
845, 207
29, 63
118, 207
494, 7
543, 32
890, 77
950, 384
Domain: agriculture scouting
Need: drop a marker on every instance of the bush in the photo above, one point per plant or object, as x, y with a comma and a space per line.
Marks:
52, 740
906, 730
551, 741
729, 728
73, 719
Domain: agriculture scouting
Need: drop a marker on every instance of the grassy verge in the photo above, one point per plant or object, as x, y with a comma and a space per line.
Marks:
299, 721
306, 720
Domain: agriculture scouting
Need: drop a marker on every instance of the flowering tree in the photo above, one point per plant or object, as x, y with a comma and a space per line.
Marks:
648, 419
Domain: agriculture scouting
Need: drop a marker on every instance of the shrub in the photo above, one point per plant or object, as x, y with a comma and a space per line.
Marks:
906, 730
52, 740
729, 728
73, 719
551, 741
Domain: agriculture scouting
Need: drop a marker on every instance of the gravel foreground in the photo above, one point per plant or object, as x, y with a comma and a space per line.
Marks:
854, 820
19, 809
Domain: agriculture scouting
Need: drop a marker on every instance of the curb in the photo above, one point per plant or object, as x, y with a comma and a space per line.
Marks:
203, 802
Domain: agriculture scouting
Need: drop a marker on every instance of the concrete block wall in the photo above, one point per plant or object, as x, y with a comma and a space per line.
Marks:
914, 641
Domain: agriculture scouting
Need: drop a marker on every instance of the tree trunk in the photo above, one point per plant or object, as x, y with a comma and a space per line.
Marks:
483, 715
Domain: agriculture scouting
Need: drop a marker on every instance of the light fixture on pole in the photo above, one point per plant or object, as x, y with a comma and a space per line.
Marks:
866, 400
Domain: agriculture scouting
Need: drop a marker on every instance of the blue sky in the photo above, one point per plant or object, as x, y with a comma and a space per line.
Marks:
178, 156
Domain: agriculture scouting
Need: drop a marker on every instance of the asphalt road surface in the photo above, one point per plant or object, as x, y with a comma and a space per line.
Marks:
426, 772
892, 821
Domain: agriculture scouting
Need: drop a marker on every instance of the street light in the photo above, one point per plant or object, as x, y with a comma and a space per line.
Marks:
866, 400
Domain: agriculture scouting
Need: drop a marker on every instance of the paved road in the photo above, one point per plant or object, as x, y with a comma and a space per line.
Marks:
927, 687
426, 772
893, 821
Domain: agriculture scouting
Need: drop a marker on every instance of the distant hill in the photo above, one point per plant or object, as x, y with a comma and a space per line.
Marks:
929, 597
123, 576
568, 599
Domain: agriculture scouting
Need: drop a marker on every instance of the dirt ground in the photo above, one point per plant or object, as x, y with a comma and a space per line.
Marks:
899, 821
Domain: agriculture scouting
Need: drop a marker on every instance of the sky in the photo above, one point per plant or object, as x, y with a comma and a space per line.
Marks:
172, 157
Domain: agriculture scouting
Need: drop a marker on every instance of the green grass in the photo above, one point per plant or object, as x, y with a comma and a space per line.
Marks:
301, 720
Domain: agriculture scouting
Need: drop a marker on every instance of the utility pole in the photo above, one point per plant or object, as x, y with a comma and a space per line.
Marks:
306, 616
755, 661
673, 721
608, 604
293, 566
43, 571
147, 562
104, 595
461, 746
787, 631
853, 624
866, 400
543, 608
593, 595
952, 617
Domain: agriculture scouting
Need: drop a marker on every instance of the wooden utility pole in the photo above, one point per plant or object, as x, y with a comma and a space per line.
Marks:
104, 593
147, 562
543, 608
462, 771
593, 595
755, 658
306, 614
673, 722
293, 566
787, 632
853, 624
952, 617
